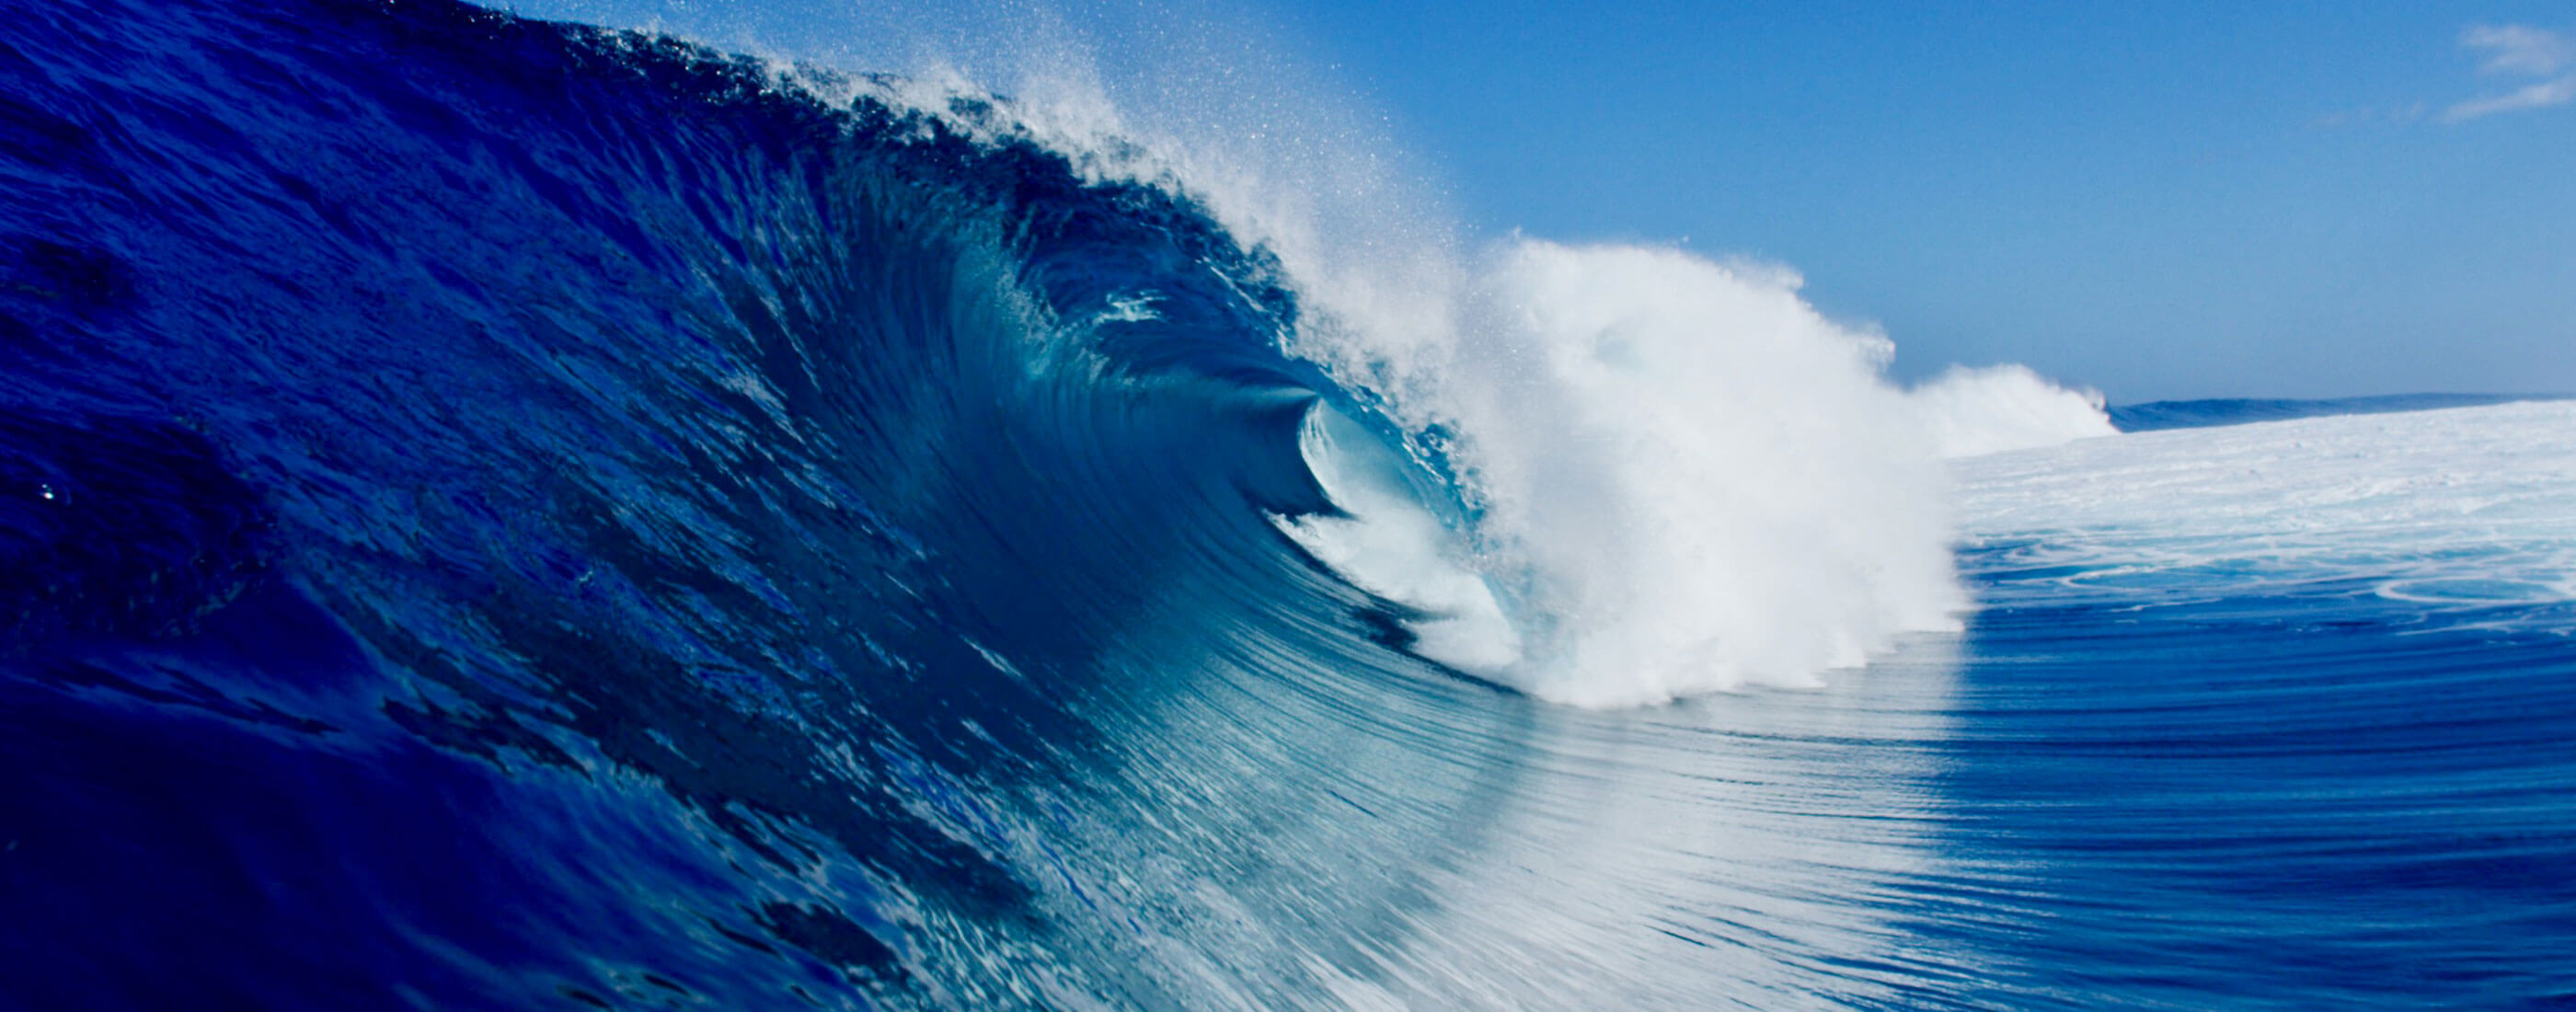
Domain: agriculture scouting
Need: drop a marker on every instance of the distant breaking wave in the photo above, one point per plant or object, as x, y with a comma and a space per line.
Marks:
2156, 415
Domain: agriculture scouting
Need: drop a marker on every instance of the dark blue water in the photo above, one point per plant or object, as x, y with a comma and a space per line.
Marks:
506, 515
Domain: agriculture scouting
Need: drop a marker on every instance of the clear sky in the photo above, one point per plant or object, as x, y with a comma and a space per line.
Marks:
2159, 200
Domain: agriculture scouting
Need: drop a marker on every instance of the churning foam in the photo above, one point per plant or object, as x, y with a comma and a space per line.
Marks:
1973, 412
1695, 478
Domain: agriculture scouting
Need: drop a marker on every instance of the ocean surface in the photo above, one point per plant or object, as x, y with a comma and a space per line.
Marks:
501, 514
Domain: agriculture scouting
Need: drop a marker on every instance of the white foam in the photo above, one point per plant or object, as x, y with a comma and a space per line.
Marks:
2466, 506
1694, 478
1972, 412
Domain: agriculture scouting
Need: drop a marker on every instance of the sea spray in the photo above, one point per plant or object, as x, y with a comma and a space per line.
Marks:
1972, 412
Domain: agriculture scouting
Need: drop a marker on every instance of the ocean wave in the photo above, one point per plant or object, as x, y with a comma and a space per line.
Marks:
512, 514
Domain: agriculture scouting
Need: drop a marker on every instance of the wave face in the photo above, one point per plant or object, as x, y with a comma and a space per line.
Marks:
497, 514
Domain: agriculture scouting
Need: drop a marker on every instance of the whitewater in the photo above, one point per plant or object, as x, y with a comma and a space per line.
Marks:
500, 513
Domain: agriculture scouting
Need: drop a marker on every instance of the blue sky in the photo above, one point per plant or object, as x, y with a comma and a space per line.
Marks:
2159, 200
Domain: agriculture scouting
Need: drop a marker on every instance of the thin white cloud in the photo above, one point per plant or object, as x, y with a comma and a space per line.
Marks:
2536, 96
2519, 49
